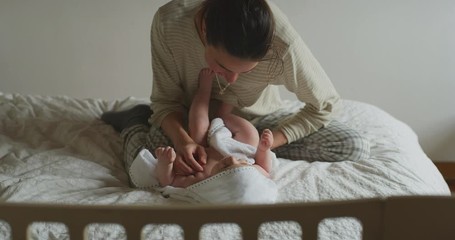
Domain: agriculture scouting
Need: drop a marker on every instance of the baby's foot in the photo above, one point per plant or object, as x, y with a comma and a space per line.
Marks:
165, 155
205, 79
266, 141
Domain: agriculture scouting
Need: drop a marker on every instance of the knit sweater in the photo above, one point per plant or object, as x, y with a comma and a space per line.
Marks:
178, 56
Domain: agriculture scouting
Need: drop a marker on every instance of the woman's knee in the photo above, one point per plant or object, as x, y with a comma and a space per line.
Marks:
334, 143
352, 147
339, 142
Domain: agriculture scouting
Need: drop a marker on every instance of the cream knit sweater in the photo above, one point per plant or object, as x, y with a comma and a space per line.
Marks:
178, 56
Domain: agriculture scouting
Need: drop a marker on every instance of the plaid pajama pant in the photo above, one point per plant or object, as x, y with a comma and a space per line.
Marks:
333, 143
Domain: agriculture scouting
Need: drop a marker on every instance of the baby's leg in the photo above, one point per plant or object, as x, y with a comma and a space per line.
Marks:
242, 130
164, 171
266, 141
199, 112
263, 153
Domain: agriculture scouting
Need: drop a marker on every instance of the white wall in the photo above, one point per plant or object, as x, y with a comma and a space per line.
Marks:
80, 48
398, 55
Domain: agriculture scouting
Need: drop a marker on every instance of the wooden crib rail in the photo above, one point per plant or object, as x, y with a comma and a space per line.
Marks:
392, 218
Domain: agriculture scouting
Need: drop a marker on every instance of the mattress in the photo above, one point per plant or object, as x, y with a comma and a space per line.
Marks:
55, 149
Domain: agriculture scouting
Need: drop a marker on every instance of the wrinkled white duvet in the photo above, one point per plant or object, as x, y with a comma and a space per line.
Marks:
55, 149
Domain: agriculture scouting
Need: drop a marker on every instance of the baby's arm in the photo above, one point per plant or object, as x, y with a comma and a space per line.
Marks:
264, 155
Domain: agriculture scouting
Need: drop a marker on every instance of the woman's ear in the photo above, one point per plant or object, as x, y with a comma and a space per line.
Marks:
204, 30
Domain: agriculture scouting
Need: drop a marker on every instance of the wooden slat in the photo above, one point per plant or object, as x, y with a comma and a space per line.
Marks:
412, 217
447, 170
420, 218
192, 217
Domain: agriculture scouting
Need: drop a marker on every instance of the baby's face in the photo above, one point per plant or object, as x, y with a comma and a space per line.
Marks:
228, 163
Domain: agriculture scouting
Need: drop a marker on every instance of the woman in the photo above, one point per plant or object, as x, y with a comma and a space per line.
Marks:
252, 48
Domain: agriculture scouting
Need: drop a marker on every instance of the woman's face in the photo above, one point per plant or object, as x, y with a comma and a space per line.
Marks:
225, 65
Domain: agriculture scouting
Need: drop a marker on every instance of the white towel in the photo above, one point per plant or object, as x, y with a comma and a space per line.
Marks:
142, 170
242, 185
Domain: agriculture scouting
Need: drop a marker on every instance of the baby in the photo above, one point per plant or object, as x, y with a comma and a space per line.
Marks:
216, 162
232, 179
235, 171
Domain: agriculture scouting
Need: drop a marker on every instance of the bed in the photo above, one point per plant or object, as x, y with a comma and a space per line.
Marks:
61, 172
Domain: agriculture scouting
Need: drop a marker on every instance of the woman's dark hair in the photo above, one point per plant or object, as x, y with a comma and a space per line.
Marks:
244, 28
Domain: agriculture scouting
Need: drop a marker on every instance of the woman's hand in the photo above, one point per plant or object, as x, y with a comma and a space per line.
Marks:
191, 158
190, 155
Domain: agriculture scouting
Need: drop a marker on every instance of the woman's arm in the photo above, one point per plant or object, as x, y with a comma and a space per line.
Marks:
279, 139
193, 154
167, 102
314, 88
304, 76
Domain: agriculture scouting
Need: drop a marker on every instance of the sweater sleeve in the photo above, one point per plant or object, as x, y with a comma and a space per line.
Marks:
167, 94
304, 76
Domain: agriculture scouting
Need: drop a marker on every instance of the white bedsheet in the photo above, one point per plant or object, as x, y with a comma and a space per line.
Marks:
55, 149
